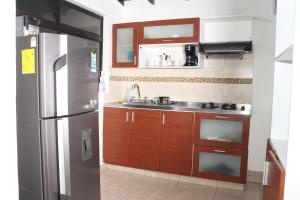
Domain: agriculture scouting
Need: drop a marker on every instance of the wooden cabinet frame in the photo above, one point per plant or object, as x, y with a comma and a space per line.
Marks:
176, 142
134, 63
222, 117
275, 177
243, 168
194, 39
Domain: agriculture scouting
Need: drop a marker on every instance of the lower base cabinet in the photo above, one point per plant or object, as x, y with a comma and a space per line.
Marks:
176, 142
144, 141
116, 136
165, 141
220, 164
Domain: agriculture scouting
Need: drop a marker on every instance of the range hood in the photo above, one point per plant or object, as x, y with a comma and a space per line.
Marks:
239, 48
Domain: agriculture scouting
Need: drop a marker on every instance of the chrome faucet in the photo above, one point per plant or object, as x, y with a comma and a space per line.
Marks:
136, 86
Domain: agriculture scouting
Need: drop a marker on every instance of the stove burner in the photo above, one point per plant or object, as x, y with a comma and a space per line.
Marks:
227, 106
210, 105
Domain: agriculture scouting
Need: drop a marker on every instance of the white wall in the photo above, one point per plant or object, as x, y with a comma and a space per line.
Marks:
260, 127
141, 10
293, 162
8, 147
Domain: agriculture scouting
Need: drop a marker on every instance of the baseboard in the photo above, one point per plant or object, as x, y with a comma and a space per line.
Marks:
174, 177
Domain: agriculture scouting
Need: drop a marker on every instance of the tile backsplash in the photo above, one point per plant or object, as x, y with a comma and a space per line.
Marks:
220, 79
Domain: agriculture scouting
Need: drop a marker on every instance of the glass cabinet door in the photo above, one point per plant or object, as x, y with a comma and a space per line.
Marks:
125, 45
227, 165
221, 130
169, 31
220, 163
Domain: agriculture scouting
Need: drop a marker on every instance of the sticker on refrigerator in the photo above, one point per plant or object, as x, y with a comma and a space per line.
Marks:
28, 61
93, 62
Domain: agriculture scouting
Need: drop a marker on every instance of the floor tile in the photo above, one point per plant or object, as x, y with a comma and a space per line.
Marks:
228, 194
187, 191
118, 185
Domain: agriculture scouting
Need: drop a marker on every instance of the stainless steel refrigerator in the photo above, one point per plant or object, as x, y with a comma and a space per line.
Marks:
57, 118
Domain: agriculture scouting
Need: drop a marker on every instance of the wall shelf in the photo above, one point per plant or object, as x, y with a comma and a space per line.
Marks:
286, 56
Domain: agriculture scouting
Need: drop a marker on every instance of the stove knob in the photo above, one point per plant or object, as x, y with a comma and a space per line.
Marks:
243, 108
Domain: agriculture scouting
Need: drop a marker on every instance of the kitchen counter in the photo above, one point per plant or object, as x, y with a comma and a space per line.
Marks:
181, 106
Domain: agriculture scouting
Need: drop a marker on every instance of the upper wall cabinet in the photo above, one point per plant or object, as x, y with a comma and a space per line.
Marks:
125, 45
170, 31
226, 29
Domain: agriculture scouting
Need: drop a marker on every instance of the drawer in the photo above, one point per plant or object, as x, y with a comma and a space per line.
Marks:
222, 130
220, 163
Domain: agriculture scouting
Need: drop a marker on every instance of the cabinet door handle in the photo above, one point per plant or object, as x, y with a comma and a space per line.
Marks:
126, 117
167, 40
219, 151
134, 60
163, 119
132, 117
221, 117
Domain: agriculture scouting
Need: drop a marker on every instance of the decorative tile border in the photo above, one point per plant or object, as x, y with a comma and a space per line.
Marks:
183, 79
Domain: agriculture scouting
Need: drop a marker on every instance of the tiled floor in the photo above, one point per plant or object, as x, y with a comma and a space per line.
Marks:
116, 185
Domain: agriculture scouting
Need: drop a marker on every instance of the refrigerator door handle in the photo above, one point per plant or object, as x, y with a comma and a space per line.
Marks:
64, 158
60, 62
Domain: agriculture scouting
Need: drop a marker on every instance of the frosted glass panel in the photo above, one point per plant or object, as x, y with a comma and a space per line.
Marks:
221, 130
125, 45
227, 165
169, 31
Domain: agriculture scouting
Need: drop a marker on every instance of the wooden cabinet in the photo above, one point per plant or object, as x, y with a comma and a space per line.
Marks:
170, 31
116, 136
176, 142
220, 163
222, 130
128, 36
274, 176
169, 141
125, 45
144, 146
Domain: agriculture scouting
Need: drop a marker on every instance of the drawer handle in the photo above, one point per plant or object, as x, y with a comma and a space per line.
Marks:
219, 151
221, 117
167, 40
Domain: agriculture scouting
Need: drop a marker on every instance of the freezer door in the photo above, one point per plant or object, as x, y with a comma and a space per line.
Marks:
69, 75
78, 157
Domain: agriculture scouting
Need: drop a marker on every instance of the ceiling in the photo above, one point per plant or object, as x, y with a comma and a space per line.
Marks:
123, 1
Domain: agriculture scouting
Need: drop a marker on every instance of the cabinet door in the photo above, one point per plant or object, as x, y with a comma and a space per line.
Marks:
222, 130
170, 31
116, 136
221, 164
176, 142
125, 45
274, 188
144, 147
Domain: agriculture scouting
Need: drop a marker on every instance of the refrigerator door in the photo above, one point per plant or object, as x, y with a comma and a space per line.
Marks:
69, 75
70, 157
78, 157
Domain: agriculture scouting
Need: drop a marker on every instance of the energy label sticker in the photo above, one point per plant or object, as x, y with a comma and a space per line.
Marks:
28, 61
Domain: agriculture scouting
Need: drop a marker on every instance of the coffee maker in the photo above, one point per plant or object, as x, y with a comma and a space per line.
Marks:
190, 55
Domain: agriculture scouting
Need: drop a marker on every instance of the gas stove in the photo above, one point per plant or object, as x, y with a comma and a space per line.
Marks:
224, 106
